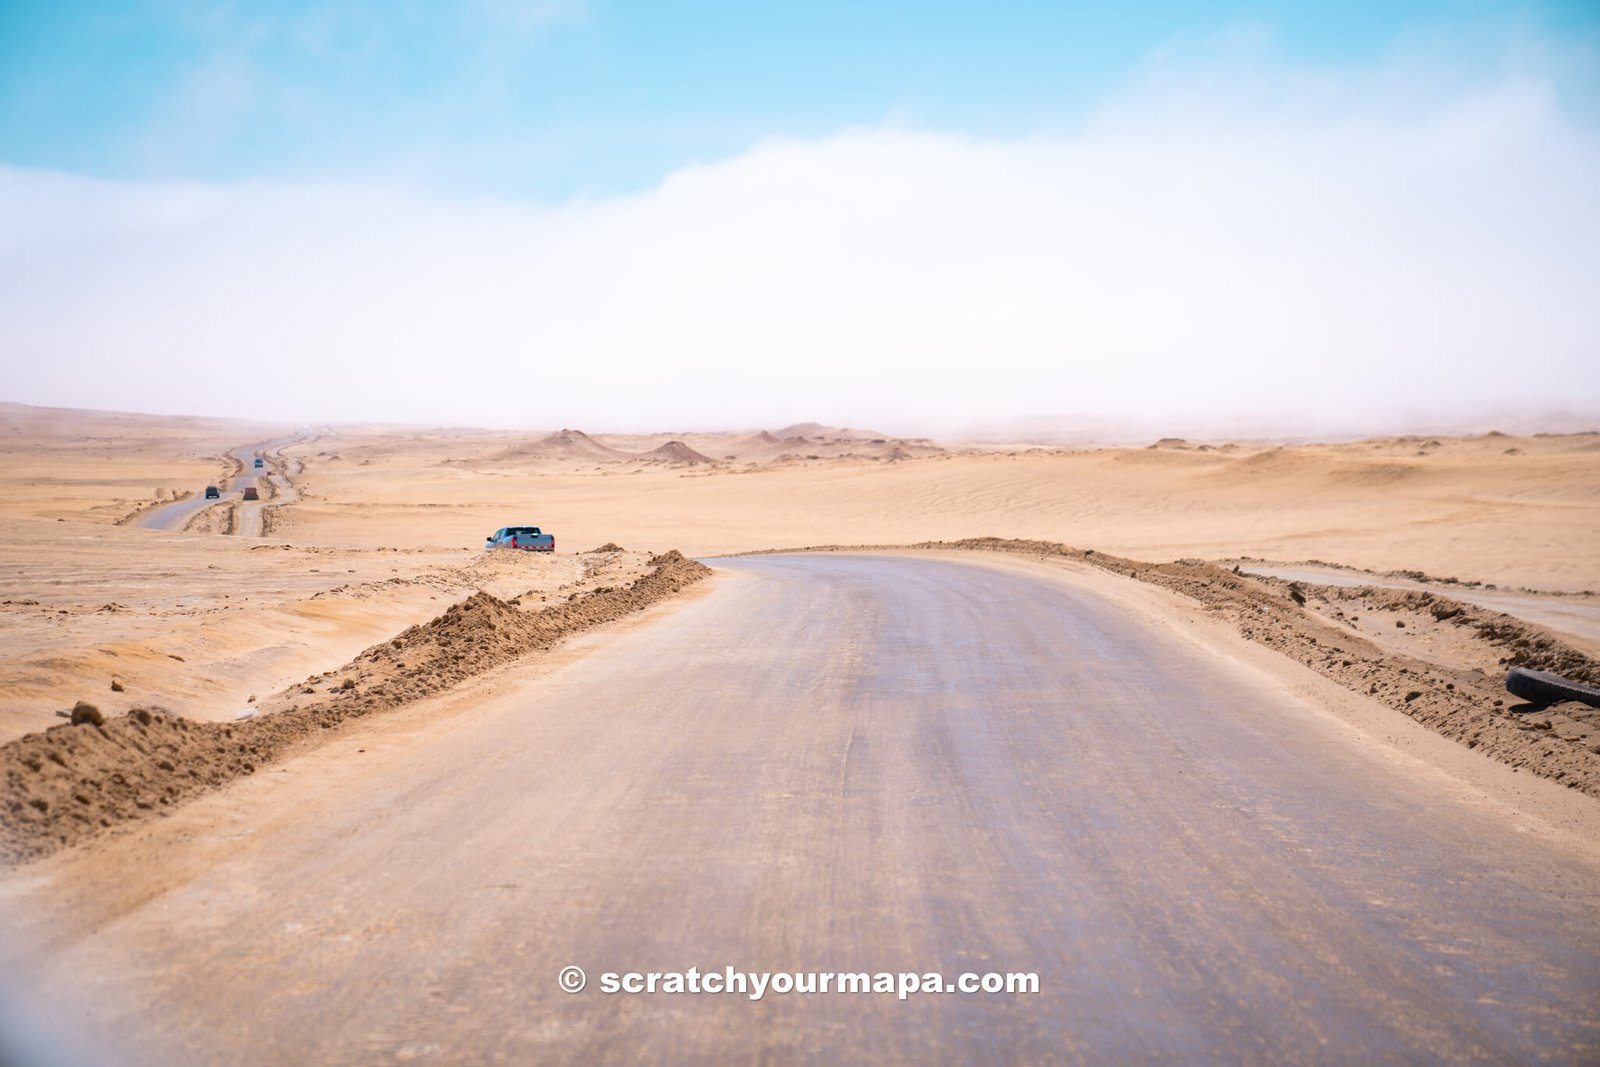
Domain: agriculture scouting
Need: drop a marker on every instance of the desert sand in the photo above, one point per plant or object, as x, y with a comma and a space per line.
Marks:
1514, 511
388, 524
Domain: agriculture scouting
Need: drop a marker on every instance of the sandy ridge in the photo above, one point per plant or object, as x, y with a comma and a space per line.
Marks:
74, 781
1524, 644
1414, 575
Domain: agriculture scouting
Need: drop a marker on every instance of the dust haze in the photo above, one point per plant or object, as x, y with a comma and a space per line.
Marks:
1332, 262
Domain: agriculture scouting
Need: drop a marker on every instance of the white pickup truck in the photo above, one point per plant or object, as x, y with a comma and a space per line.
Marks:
527, 538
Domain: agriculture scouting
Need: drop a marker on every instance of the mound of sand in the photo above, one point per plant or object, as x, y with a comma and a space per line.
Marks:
73, 781
758, 446
575, 442
1518, 644
815, 431
676, 452
564, 445
803, 430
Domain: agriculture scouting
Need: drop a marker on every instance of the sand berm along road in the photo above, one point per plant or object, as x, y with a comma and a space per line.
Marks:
837, 763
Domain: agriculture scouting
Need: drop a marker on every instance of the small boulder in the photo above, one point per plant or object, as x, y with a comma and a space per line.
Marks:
84, 712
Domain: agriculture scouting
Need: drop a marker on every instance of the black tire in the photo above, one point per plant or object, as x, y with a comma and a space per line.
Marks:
1542, 687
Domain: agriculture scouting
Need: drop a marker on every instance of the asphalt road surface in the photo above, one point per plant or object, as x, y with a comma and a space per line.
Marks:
178, 514
848, 763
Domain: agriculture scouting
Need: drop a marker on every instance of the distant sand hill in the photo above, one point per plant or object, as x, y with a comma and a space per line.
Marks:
677, 452
797, 443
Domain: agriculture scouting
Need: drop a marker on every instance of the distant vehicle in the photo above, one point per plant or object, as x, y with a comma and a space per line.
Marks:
251, 494
213, 493
526, 538
260, 463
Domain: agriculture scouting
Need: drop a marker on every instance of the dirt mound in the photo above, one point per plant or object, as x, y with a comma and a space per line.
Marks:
84, 712
563, 444
609, 546
1523, 644
921, 446
73, 781
574, 440
760, 445
676, 452
813, 441
816, 431
803, 430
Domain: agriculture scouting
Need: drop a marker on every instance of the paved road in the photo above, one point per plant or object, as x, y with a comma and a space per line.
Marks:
842, 763
179, 514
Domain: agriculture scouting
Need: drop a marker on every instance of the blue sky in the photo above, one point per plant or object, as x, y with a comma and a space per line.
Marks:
927, 218
553, 98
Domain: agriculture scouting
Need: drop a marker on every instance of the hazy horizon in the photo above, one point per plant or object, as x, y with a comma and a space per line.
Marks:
1060, 430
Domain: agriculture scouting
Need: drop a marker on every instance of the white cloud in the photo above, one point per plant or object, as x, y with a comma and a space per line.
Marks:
1333, 260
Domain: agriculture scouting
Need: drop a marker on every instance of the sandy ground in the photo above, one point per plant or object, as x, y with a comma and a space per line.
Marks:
378, 528
1513, 511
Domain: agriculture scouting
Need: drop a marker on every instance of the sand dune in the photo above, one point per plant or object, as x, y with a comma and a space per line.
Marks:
563, 444
572, 449
805, 429
1469, 507
678, 453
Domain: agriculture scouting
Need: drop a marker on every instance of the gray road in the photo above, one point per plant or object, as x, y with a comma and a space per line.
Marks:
841, 763
178, 514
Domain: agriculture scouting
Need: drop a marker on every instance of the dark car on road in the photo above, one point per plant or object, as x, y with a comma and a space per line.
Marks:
251, 494
260, 463
213, 493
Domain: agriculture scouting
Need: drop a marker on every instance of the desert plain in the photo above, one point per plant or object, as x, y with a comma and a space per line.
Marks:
387, 526
1385, 584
